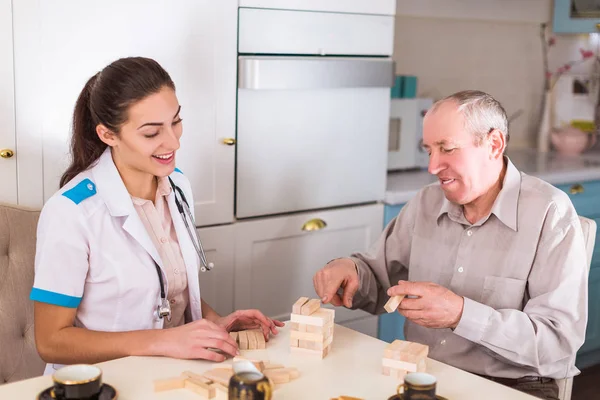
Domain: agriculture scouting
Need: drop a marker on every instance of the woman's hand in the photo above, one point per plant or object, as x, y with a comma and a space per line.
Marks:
249, 319
198, 340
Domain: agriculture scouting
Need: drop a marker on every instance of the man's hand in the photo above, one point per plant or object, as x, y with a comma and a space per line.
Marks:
340, 273
434, 305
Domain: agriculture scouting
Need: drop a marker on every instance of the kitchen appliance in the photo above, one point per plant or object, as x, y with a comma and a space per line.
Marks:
405, 144
313, 110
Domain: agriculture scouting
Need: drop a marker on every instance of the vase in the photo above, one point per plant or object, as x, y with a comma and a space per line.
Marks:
545, 125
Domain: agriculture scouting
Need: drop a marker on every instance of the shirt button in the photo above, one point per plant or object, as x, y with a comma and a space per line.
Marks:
90, 186
176, 271
163, 240
443, 342
173, 301
460, 269
469, 232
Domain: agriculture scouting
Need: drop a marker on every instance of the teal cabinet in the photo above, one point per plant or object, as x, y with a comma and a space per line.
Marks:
573, 16
586, 199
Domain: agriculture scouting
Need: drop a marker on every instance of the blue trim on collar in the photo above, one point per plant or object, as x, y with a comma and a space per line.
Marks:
178, 170
58, 299
81, 191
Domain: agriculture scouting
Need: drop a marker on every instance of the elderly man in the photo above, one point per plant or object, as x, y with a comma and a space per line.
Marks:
493, 261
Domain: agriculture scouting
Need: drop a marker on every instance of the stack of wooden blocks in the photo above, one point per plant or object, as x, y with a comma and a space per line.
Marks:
402, 357
312, 328
250, 339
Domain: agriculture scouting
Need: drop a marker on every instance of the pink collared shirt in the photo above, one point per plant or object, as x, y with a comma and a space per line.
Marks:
159, 225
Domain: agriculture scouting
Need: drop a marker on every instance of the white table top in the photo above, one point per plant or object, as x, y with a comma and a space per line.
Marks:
352, 368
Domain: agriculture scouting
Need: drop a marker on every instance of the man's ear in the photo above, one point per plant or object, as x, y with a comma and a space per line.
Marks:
106, 135
497, 142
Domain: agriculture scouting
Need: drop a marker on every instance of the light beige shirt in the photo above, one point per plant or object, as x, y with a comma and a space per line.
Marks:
159, 225
522, 271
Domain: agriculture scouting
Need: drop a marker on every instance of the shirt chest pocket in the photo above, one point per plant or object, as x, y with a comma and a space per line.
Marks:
502, 293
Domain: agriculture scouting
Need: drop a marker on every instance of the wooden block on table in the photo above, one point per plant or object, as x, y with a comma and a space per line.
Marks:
398, 374
200, 387
161, 385
219, 375
278, 375
406, 351
327, 329
243, 340
310, 307
294, 342
273, 366
314, 353
252, 342
330, 312
190, 374
260, 340
319, 345
319, 318
314, 337
294, 373
221, 391
297, 307
234, 336
348, 398
393, 303
403, 365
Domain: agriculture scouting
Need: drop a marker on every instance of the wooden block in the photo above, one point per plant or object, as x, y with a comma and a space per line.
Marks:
314, 353
219, 375
319, 318
310, 307
294, 373
243, 340
403, 365
234, 336
349, 398
200, 387
273, 366
385, 370
278, 375
294, 342
260, 340
190, 374
398, 374
252, 342
327, 329
330, 313
314, 337
406, 351
221, 391
393, 303
297, 307
161, 385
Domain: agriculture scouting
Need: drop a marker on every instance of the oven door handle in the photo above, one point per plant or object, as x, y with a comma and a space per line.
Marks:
282, 73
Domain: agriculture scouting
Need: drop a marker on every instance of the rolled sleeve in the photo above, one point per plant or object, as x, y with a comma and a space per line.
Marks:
474, 321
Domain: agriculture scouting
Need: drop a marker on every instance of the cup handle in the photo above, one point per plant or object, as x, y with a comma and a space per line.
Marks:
401, 388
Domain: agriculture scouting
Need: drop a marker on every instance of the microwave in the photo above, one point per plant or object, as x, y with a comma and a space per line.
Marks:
405, 142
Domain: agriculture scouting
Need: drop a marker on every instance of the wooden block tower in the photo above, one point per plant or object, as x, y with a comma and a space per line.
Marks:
312, 328
401, 357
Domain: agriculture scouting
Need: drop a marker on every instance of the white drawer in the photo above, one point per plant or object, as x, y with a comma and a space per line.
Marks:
297, 32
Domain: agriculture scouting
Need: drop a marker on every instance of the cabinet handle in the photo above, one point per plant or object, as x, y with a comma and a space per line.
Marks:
576, 189
6, 153
229, 141
314, 224
598, 27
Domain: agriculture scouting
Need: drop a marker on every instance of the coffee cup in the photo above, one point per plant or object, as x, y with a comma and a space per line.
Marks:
77, 382
418, 386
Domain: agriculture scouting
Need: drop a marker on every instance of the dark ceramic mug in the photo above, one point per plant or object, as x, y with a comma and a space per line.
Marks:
77, 382
418, 386
248, 383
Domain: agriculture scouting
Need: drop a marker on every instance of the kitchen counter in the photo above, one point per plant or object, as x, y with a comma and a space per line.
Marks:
353, 368
551, 167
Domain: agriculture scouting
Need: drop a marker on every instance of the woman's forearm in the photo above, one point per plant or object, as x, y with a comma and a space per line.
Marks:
208, 312
78, 345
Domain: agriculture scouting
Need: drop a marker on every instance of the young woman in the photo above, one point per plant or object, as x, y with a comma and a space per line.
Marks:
115, 261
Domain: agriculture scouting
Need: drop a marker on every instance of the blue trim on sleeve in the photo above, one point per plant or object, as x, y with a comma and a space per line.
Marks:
178, 170
45, 296
81, 191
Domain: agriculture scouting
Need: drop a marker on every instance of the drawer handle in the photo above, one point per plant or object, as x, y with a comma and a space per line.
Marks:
229, 141
314, 224
6, 153
576, 189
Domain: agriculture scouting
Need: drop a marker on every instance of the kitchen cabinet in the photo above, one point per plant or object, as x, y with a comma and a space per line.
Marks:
8, 160
584, 196
216, 285
58, 45
276, 257
576, 16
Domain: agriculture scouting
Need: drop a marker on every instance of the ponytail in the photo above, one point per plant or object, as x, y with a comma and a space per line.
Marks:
86, 146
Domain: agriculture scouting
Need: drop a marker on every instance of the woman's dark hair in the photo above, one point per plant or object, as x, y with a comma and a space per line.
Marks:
105, 99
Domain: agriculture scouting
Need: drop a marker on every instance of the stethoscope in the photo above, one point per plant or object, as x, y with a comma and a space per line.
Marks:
164, 309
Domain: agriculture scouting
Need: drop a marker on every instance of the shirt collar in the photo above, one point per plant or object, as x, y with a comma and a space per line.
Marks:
505, 206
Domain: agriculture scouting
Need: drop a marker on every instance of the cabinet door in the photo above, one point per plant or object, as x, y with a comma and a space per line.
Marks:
576, 16
60, 44
216, 285
8, 163
275, 259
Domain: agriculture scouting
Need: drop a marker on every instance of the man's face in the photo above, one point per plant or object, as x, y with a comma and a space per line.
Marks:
463, 169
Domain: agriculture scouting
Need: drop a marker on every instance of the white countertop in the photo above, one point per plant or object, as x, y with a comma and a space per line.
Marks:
352, 368
551, 167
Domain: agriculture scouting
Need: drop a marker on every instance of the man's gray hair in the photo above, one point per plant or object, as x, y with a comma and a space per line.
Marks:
482, 113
